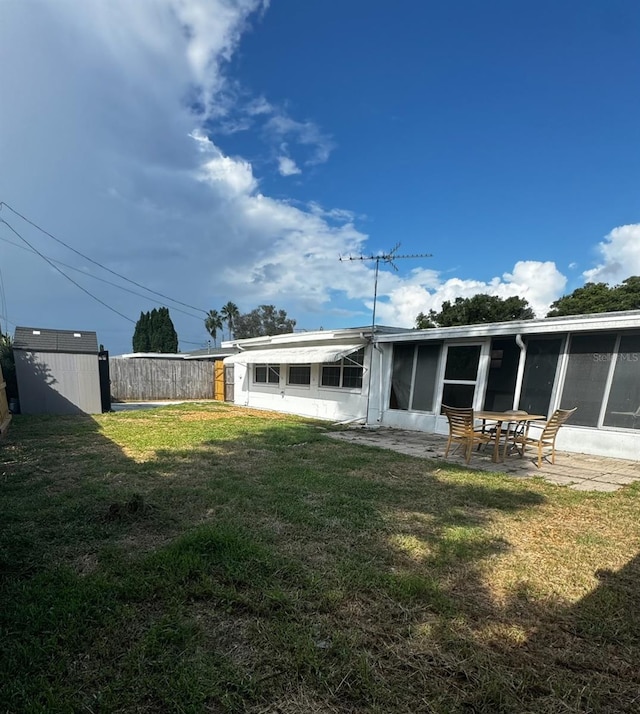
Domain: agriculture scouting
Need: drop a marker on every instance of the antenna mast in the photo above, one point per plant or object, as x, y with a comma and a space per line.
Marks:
388, 258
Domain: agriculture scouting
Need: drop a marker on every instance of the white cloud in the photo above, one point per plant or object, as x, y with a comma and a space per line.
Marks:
540, 283
282, 127
231, 177
620, 251
287, 166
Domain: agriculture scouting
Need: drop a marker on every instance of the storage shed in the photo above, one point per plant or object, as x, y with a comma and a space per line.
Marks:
57, 371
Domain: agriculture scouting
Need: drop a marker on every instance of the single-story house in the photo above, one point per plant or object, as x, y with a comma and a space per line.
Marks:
401, 378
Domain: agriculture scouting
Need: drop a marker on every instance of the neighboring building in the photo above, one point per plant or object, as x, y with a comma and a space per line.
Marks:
57, 371
402, 378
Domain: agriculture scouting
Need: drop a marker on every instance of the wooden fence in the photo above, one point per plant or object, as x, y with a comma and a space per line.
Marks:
5, 414
145, 379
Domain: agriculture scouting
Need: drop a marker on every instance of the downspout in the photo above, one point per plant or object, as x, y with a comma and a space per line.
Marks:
523, 352
377, 349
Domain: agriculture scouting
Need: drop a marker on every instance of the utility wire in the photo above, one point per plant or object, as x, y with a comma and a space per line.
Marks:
55, 267
95, 277
3, 301
95, 262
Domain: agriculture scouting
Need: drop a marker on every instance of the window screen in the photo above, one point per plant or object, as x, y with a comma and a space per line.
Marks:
462, 363
266, 373
540, 369
346, 373
300, 374
458, 395
401, 376
623, 407
503, 371
589, 362
425, 379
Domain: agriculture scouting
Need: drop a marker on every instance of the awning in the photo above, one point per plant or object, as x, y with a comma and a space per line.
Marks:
294, 355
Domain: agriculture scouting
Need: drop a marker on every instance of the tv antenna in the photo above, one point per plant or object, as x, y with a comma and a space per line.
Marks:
388, 258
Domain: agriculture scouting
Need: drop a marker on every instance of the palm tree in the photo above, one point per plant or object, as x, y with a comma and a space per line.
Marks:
213, 323
230, 314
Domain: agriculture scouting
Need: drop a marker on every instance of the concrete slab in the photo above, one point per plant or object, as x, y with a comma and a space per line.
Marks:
582, 472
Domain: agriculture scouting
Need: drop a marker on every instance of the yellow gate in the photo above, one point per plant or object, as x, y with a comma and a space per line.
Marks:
218, 380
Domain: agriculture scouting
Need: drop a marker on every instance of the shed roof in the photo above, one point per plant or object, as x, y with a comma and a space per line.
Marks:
34, 339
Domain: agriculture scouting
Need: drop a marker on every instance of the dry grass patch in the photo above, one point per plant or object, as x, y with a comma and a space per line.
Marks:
206, 558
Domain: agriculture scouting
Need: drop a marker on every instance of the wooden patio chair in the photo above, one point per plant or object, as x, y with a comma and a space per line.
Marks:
462, 430
546, 439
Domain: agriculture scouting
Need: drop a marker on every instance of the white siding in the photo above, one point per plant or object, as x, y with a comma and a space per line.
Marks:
313, 400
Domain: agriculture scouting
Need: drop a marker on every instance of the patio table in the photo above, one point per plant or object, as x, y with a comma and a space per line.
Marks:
508, 417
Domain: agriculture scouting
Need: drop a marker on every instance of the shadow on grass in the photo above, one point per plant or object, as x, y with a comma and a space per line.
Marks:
243, 562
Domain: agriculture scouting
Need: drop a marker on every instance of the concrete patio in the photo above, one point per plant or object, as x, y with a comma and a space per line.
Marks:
578, 471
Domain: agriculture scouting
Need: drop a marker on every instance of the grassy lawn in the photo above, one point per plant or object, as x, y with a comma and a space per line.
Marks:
204, 558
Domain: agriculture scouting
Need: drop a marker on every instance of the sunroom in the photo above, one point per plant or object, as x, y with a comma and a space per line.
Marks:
591, 362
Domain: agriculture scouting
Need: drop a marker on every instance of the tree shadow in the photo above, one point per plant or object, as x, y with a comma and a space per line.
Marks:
38, 389
352, 574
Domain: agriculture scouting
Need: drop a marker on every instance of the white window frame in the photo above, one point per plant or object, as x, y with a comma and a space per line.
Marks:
270, 370
347, 361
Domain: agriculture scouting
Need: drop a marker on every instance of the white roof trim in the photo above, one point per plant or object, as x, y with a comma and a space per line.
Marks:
294, 355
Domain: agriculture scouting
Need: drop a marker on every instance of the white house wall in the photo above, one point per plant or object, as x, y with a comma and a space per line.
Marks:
313, 400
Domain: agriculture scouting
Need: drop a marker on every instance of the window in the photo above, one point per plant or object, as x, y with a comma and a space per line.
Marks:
402, 376
300, 374
590, 358
460, 375
413, 379
539, 375
503, 371
266, 373
347, 373
424, 387
623, 405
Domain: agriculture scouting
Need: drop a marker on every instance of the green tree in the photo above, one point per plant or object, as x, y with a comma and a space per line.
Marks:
475, 310
229, 314
141, 337
7, 362
599, 297
264, 320
213, 323
154, 332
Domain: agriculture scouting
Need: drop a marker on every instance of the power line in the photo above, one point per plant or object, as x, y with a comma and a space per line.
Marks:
95, 277
95, 262
71, 280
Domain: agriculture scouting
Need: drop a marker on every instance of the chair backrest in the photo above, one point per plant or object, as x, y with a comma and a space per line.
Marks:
558, 418
460, 420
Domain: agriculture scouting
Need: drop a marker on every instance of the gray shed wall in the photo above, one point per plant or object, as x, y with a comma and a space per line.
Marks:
58, 383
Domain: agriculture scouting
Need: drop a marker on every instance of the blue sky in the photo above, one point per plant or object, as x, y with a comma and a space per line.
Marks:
217, 150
